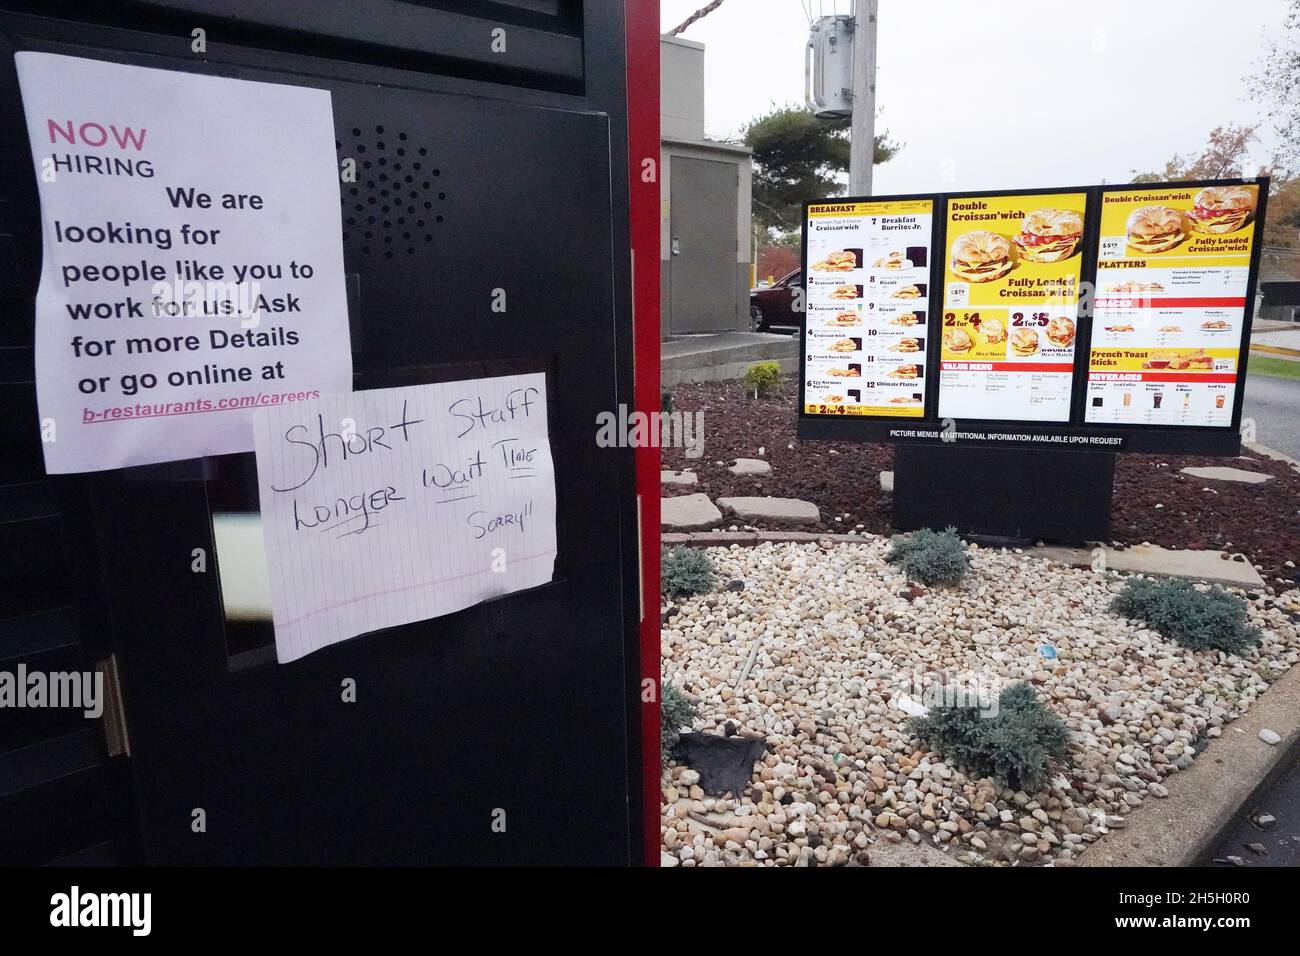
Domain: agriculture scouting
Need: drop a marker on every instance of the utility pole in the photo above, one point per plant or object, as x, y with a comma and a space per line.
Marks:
862, 144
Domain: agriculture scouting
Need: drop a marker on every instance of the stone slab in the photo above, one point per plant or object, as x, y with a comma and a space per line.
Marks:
750, 466
887, 482
1221, 473
1161, 562
678, 478
688, 512
783, 510
884, 853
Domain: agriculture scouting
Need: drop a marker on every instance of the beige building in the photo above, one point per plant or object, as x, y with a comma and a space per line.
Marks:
704, 187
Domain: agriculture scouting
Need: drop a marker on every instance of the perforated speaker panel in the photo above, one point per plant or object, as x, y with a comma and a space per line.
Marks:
395, 204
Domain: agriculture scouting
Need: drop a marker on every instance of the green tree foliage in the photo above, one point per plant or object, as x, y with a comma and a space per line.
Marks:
1225, 157
796, 157
1277, 85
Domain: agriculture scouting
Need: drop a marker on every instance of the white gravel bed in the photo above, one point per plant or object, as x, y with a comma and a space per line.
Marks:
843, 645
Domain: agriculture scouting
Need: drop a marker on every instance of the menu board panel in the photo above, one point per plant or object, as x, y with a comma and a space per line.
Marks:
1010, 306
867, 283
1173, 265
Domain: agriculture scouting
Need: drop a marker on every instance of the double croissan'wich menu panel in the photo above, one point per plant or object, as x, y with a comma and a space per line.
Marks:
1010, 306
1172, 271
866, 308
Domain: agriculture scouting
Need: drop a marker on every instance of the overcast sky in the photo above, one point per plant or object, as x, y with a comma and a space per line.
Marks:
1007, 93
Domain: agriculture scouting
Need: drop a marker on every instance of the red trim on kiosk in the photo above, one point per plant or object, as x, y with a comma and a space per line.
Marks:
642, 17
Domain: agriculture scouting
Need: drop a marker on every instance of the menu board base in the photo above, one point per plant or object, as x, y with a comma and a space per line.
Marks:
1050, 496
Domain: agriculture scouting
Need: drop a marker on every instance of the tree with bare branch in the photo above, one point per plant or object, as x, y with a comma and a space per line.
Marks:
699, 14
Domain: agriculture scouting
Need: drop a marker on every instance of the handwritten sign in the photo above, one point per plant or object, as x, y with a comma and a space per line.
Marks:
192, 258
385, 507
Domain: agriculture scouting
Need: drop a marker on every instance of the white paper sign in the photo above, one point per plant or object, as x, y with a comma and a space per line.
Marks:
386, 507
193, 258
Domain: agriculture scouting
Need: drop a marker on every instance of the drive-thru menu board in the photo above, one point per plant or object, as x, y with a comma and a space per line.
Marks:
1010, 306
1172, 269
866, 309
964, 314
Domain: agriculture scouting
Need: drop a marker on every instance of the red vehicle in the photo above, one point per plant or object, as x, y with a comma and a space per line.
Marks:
778, 306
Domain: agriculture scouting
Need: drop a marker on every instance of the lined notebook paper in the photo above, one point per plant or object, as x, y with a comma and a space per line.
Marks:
385, 507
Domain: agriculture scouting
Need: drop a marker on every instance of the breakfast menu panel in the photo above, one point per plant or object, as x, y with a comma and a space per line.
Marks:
1172, 270
866, 307
1010, 306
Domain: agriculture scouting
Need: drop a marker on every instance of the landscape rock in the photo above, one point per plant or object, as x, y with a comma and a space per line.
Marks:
678, 478
835, 648
750, 466
688, 512
1220, 473
775, 510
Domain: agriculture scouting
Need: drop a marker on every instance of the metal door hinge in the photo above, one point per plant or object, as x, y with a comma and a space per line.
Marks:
116, 739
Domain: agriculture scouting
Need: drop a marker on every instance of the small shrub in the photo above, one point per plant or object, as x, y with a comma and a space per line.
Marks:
676, 711
1196, 619
1016, 747
666, 401
686, 572
931, 557
762, 379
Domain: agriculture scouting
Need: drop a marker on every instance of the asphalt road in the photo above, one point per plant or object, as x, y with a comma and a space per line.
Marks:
1267, 842
1274, 404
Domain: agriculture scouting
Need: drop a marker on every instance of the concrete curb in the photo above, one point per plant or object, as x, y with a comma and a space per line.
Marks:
748, 539
1275, 350
1273, 453
1208, 799
1074, 557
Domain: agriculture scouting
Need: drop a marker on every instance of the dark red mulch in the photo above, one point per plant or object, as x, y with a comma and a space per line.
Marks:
842, 479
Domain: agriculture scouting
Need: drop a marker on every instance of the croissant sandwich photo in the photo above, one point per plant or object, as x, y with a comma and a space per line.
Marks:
844, 345
993, 331
981, 256
1024, 341
905, 372
1155, 229
1060, 331
845, 292
906, 344
957, 340
1220, 209
1049, 235
837, 262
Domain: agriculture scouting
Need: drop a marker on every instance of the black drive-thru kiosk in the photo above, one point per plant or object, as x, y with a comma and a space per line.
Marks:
505, 733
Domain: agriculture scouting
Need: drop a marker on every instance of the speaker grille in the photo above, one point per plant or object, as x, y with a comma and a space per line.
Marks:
395, 204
